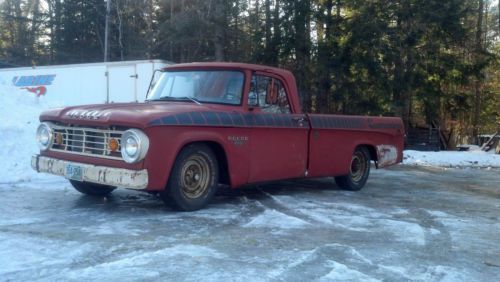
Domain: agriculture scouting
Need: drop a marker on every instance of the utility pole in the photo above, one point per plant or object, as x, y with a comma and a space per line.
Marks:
106, 32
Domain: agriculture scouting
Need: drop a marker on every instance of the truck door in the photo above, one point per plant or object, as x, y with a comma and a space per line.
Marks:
279, 137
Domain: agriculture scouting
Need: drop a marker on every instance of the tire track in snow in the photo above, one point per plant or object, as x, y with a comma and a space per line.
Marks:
271, 202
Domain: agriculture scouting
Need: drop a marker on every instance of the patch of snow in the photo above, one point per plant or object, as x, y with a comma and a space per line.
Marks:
221, 215
142, 258
470, 147
400, 211
356, 208
298, 258
404, 231
444, 274
430, 273
400, 270
321, 259
353, 253
274, 219
317, 215
111, 228
19, 112
23, 255
132, 264
434, 231
341, 272
12, 221
463, 232
451, 159
438, 213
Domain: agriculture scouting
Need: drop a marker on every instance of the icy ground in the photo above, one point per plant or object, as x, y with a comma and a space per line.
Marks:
408, 223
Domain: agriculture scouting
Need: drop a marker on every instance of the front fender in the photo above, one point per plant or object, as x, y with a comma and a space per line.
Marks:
167, 141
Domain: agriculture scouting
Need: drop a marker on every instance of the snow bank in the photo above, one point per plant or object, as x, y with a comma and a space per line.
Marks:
451, 159
19, 111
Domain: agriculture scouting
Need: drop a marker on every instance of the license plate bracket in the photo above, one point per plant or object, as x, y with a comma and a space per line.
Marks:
74, 172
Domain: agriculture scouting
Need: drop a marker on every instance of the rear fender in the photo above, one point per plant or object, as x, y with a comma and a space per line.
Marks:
386, 155
383, 154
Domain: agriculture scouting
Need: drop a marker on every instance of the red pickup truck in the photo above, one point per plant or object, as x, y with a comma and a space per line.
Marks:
205, 124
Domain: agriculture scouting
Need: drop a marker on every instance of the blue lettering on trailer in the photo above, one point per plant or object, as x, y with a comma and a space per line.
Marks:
34, 83
33, 80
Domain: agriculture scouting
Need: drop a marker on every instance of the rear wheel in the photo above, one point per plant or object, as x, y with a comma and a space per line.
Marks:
358, 172
92, 189
193, 180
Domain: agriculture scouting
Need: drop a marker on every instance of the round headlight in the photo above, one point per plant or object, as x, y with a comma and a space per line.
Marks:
44, 136
135, 145
131, 146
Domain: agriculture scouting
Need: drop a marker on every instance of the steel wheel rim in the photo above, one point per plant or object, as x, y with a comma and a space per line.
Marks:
195, 176
358, 167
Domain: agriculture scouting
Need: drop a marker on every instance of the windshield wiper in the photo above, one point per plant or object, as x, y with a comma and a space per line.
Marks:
194, 100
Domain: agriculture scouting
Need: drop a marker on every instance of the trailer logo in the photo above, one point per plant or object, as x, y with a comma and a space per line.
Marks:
35, 84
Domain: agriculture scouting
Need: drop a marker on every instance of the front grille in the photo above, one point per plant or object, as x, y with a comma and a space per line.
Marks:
86, 141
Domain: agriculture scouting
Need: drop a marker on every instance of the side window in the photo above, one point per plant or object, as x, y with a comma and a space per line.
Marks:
269, 94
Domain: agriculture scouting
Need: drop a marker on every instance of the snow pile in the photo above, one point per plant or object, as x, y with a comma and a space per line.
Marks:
451, 159
19, 111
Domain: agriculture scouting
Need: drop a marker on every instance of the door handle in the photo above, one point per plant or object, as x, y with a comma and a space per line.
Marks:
135, 76
299, 119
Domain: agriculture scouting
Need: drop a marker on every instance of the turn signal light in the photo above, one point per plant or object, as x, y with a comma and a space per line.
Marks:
113, 144
58, 140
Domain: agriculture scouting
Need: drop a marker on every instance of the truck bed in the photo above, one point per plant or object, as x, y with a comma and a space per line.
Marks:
333, 138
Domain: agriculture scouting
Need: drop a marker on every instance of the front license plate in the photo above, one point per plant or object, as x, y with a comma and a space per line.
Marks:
74, 172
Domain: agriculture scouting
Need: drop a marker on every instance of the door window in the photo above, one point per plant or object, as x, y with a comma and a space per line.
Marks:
269, 95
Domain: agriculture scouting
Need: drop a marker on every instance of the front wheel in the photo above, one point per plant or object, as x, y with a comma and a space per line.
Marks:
193, 180
92, 189
358, 172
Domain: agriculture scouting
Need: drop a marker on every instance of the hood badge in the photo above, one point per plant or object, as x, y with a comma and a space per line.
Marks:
85, 114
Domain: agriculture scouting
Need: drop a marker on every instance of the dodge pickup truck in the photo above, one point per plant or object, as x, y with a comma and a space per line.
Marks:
205, 124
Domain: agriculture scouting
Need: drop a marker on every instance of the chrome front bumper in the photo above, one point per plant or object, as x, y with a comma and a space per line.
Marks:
134, 179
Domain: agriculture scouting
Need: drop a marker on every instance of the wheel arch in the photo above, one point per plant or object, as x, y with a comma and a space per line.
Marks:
371, 149
220, 154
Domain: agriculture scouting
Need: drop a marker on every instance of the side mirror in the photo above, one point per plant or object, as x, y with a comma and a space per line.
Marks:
272, 95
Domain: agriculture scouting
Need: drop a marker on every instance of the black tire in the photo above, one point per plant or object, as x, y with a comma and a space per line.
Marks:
193, 180
92, 189
358, 172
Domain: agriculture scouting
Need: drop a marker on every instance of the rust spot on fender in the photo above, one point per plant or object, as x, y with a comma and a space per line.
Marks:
387, 155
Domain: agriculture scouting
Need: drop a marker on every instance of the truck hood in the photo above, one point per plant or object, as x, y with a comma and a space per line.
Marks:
138, 115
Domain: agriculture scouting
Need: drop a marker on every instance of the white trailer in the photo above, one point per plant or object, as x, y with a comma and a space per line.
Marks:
79, 84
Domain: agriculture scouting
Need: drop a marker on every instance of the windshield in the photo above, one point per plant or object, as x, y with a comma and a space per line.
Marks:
222, 87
